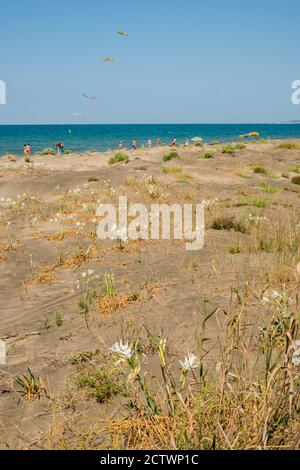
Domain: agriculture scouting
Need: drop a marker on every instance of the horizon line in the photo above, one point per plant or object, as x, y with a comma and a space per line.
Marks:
156, 123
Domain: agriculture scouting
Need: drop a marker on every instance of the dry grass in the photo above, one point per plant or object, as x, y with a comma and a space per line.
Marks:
108, 305
43, 277
249, 400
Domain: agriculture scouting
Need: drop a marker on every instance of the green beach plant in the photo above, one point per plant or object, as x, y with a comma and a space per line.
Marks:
296, 180
255, 202
46, 151
205, 155
288, 146
268, 189
228, 149
172, 169
259, 168
118, 158
170, 156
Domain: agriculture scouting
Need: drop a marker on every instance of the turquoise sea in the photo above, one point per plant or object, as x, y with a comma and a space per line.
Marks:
102, 137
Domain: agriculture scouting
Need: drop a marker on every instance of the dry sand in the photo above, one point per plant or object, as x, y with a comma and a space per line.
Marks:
180, 285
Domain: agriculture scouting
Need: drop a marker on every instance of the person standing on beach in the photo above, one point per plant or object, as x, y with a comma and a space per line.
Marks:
27, 151
149, 144
134, 144
158, 143
121, 145
60, 148
174, 143
57, 149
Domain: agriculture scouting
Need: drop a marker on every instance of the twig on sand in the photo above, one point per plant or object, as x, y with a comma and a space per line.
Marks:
20, 335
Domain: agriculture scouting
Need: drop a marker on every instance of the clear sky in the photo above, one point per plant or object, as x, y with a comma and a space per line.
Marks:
185, 61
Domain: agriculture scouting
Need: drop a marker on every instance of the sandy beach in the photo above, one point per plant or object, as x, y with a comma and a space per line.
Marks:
48, 240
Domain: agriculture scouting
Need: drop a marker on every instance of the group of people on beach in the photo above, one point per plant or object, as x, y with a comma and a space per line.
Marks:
149, 144
60, 148
134, 144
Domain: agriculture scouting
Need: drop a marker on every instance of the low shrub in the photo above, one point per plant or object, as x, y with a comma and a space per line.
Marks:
259, 169
118, 158
170, 156
205, 155
47, 151
296, 180
228, 223
228, 149
255, 202
288, 146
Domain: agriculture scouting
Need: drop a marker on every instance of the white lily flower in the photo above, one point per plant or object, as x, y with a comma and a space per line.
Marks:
265, 299
296, 358
123, 349
190, 362
276, 294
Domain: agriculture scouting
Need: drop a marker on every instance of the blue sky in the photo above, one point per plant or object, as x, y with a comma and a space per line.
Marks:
184, 61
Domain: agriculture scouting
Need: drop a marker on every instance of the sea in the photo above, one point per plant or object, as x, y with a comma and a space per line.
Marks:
102, 137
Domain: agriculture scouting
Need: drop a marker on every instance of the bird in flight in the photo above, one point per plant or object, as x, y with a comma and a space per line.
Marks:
121, 33
89, 97
108, 59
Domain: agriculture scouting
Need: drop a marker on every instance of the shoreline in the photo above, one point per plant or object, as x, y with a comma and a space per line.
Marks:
166, 147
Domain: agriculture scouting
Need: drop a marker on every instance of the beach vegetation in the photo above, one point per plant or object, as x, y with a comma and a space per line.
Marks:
235, 249
30, 386
184, 178
101, 384
288, 146
228, 149
296, 180
205, 155
228, 223
172, 169
295, 169
229, 406
83, 357
240, 146
170, 156
58, 319
46, 151
255, 202
118, 158
259, 169
268, 189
